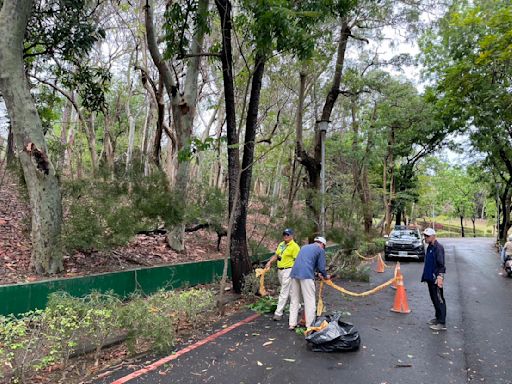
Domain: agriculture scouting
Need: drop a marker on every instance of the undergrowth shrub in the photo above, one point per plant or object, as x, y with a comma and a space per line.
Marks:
371, 247
195, 302
100, 319
206, 205
63, 316
347, 265
257, 250
376, 246
251, 284
23, 346
347, 238
35, 340
145, 322
104, 214
157, 319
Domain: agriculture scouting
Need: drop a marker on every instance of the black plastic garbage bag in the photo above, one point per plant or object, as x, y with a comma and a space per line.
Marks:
338, 336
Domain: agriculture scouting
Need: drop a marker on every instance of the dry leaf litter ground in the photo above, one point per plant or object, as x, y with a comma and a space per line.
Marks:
142, 251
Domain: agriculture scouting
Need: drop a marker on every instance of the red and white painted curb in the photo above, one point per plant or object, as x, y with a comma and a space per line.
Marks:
181, 352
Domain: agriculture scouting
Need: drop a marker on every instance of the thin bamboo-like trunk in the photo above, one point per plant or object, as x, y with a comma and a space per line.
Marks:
131, 119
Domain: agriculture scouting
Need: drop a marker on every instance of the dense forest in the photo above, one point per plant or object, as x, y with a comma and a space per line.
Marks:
128, 116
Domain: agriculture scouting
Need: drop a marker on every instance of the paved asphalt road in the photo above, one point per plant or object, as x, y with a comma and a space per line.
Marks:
396, 348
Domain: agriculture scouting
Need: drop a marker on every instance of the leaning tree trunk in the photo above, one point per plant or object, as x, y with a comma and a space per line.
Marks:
309, 162
312, 163
183, 111
42, 184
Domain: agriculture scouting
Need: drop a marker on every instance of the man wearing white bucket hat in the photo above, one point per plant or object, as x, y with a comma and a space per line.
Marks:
311, 258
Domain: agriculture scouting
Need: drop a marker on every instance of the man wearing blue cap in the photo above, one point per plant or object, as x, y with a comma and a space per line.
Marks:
286, 253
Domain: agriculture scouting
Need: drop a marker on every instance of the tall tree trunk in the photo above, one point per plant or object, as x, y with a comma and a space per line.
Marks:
131, 119
462, 226
86, 120
160, 123
389, 174
294, 182
153, 97
91, 141
242, 264
68, 154
2, 144
146, 138
276, 184
79, 162
108, 146
366, 196
360, 170
505, 202
224, 10
217, 179
238, 188
10, 146
309, 162
398, 217
312, 163
40, 178
165, 80
183, 110
64, 133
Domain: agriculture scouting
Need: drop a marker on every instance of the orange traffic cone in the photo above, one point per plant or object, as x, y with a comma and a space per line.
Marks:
380, 264
400, 305
397, 272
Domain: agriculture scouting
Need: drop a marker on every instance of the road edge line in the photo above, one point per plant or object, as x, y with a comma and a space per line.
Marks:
181, 352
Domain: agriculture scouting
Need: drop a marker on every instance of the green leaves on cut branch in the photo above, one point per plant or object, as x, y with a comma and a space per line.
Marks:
267, 304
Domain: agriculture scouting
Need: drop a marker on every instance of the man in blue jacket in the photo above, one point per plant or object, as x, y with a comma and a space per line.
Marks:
433, 274
311, 258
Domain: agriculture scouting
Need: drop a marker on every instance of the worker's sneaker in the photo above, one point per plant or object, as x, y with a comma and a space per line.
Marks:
438, 327
432, 322
277, 317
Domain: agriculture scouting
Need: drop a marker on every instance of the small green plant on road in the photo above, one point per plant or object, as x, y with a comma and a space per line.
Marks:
267, 304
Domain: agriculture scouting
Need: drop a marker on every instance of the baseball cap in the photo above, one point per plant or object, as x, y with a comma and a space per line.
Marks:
320, 239
288, 231
429, 232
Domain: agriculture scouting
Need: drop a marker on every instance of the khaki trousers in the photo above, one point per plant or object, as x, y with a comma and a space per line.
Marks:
306, 290
286, 283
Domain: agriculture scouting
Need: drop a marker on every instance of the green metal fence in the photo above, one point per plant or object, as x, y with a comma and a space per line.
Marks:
20, 298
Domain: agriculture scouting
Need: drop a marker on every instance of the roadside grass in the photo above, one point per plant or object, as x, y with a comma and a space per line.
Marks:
65, 341
450, 227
